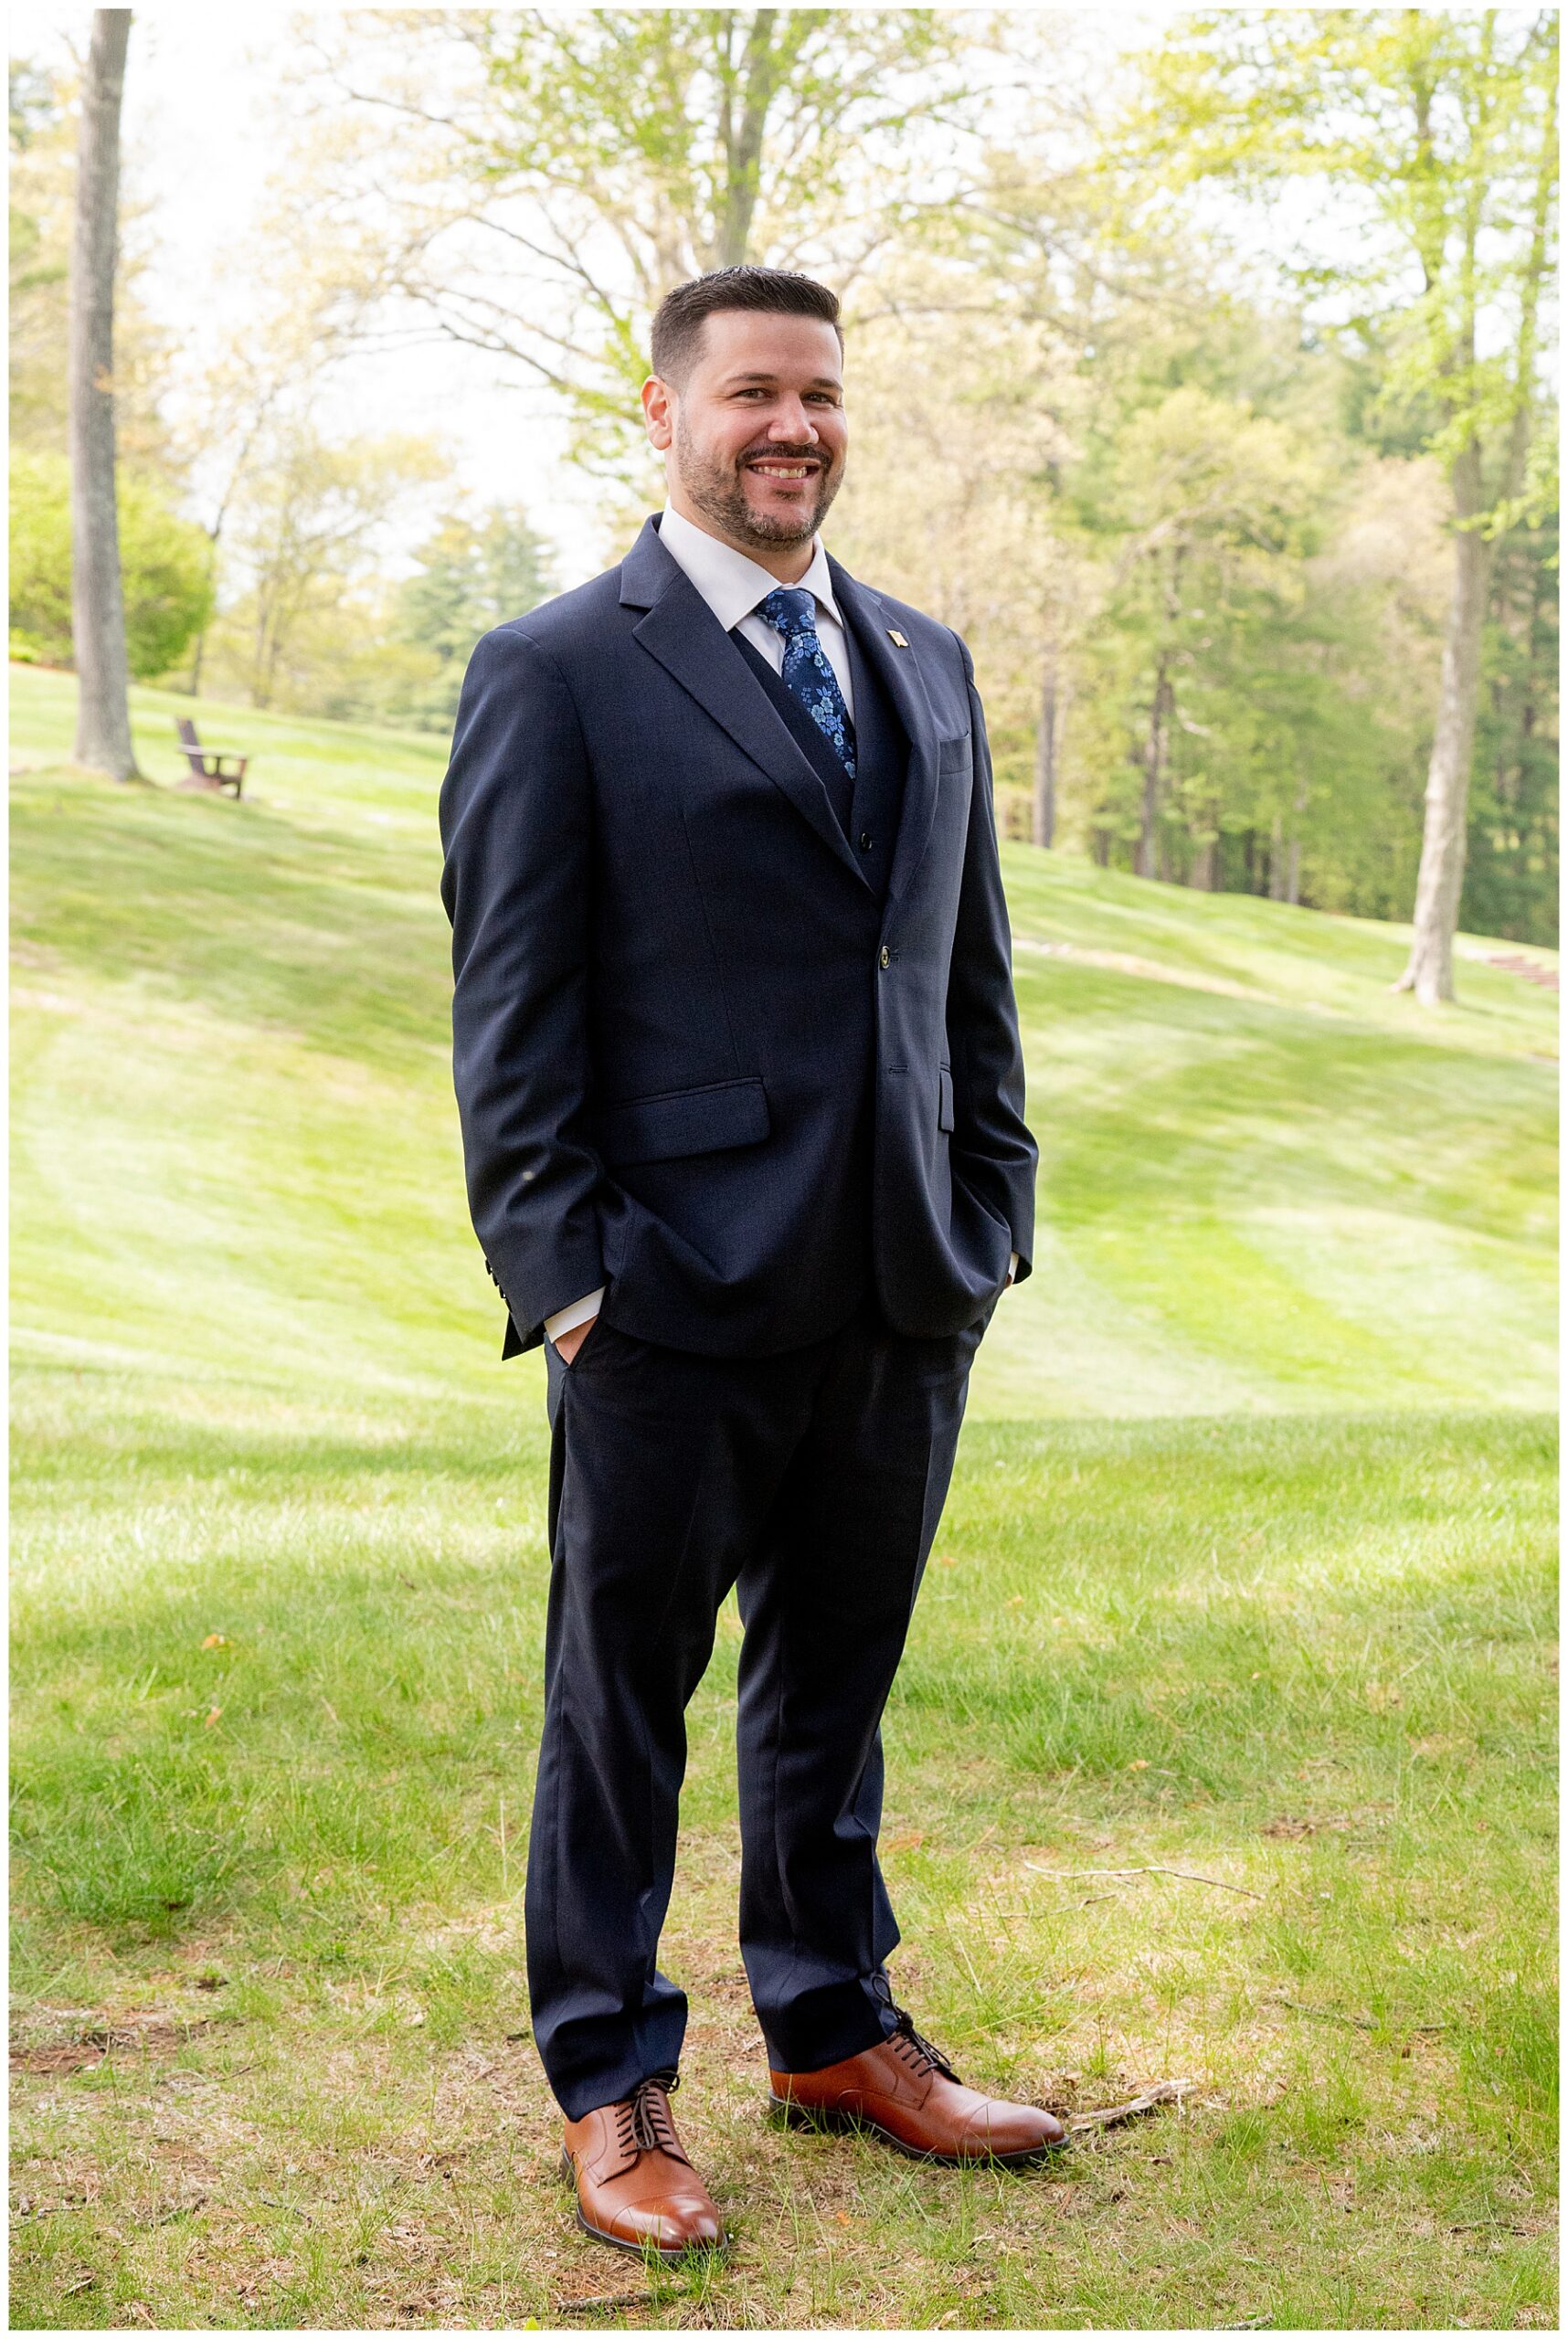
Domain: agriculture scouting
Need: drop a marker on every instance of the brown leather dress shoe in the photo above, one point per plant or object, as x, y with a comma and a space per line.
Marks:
636, 2188
907, 2093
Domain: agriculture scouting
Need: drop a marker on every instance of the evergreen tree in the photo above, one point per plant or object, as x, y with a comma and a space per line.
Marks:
473, 574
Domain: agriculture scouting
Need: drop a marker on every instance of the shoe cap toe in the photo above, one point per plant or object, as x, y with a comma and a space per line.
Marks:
1006, 2127
675, 2224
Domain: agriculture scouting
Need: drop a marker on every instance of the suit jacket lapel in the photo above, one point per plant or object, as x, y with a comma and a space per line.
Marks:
681, 632
901, 674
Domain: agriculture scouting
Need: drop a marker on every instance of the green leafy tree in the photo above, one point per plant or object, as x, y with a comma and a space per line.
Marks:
473, 574
955, 424
1431, 141
1207, 512
1512, 860
163, 569
42, 139
554, 175
308, 531
1063, 320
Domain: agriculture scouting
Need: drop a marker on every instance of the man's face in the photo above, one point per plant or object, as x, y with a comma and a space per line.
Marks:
755, 436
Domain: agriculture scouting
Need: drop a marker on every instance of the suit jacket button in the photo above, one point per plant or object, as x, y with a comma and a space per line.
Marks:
886, 957
865, 841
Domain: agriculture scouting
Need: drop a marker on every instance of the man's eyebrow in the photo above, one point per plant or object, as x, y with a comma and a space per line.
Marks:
818, 381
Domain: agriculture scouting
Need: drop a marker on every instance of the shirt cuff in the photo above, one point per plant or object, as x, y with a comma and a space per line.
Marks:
566, 1319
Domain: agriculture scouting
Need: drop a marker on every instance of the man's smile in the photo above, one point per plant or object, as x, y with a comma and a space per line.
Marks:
770, 467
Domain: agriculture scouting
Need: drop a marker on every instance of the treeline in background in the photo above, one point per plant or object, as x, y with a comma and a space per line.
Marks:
1199, 386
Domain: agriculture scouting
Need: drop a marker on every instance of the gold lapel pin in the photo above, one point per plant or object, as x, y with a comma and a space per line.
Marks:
896, 637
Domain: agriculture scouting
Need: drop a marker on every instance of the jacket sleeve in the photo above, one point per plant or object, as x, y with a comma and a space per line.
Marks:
516, 831
993, 1151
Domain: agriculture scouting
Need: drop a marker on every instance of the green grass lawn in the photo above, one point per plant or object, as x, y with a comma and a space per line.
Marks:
1247, 1572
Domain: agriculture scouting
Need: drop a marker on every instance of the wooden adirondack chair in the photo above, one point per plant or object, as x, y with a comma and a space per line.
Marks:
207, 762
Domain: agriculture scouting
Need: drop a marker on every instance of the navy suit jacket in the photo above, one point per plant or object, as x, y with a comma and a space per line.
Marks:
701, 1057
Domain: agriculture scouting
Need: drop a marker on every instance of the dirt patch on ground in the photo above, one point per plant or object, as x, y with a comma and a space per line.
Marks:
93, 2042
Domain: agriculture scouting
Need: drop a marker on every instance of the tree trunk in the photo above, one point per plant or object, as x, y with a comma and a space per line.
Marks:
97, 607
742, 142
1146, 861
1277, 860
194, 686
1203, 878
1430, 972
1293, 869
1045, 752
259, 652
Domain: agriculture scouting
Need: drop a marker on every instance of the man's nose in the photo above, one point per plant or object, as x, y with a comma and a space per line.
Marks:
790, 421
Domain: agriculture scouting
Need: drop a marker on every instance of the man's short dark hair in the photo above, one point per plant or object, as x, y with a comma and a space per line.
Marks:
678, 325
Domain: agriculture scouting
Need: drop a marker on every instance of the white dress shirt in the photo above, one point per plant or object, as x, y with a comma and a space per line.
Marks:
732, 585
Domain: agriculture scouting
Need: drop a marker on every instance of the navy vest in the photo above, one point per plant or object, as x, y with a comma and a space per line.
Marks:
869, 818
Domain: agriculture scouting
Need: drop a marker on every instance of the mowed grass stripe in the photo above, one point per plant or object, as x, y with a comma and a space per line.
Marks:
1246, 1204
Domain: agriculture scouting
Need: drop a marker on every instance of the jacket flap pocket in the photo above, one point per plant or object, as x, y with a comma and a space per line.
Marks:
686, 1120
944, 1097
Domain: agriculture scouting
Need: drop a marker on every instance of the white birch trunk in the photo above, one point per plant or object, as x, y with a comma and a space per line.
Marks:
1430, 972
97, 608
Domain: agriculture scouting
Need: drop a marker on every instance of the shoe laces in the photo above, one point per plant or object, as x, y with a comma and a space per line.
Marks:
643, 2119
907, 2042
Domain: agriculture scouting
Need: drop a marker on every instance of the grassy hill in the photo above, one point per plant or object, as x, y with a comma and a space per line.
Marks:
1221, 1753
1267, 1182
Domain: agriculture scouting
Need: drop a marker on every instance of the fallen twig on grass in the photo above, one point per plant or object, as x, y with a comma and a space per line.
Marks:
1188, 1876
621, 2300
1165, 2091
1360, 2021
173, 2211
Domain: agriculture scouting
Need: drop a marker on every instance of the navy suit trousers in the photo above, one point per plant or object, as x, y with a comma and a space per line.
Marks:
812, 1481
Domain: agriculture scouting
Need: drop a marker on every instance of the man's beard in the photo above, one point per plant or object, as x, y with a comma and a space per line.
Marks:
719, 494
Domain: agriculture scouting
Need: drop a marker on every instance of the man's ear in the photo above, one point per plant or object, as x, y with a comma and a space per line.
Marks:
659, 412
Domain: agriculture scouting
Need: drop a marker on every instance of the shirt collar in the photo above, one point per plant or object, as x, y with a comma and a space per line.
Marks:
729, 582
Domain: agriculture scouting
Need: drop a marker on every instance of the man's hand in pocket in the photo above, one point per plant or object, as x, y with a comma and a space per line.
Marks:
570, 1342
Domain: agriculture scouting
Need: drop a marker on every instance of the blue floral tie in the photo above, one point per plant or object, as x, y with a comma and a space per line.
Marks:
791, 611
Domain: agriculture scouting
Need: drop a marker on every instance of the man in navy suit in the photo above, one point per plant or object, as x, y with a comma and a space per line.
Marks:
738, 1065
